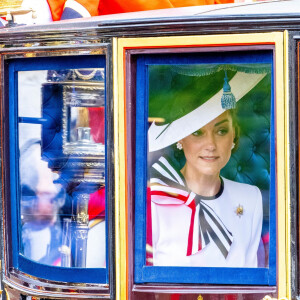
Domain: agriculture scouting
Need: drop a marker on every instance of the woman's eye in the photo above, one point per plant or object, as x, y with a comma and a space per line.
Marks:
222, 131
197, 133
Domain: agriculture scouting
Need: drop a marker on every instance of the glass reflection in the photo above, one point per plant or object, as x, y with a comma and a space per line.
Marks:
62, 167
41, 201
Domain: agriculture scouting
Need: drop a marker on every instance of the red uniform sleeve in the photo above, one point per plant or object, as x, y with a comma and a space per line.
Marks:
91, 5
96, 207
56, 8
119, 6
105, 7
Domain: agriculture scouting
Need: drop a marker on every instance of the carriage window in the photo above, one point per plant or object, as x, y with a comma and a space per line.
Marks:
60, 154
210, 169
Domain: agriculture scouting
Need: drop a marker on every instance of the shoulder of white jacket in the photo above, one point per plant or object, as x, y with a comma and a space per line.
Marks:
239, 187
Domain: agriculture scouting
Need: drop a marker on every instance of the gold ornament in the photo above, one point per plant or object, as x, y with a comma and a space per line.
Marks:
239, 210
4, 4
10, 8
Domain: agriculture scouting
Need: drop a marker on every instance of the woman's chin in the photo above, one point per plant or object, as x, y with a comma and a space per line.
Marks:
209, 172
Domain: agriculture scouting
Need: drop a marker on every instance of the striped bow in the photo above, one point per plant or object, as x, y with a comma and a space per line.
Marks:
168, 188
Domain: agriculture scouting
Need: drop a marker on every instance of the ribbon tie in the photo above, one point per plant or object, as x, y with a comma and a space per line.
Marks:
168, 188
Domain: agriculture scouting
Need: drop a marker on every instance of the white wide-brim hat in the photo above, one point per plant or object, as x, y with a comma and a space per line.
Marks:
161, 136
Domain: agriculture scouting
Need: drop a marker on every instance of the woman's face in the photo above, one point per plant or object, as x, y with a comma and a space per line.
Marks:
208, 149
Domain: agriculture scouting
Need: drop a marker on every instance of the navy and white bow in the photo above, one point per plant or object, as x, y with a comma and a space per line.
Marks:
168, 188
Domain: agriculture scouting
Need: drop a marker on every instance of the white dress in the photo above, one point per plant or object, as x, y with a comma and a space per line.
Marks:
172, 223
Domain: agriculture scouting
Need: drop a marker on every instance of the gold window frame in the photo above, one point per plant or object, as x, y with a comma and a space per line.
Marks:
280, 42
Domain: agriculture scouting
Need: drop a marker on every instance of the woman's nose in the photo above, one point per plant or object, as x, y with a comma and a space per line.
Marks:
210, 143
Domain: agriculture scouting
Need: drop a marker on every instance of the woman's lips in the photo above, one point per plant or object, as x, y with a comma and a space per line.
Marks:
209, 158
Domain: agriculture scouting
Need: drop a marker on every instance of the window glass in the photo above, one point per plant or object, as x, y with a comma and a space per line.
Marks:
209, 165
208, 185
61, 134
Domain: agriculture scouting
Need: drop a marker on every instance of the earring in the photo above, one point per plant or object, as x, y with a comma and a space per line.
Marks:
179, 146
233, 145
